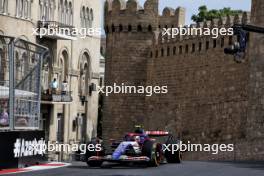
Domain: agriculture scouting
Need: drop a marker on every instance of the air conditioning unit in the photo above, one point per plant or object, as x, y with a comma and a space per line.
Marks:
92, 88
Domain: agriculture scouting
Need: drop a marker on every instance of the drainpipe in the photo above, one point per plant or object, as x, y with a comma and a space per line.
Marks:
70, 88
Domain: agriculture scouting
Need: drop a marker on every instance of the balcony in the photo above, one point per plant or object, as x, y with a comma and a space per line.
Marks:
53, 97
55, 30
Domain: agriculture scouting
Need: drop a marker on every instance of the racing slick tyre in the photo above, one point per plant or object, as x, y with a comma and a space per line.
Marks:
153, 151
89, 153
172, 157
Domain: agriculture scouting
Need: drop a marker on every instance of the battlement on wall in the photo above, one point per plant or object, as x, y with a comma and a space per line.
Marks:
117, 8
172, 17
130, 16
188, 44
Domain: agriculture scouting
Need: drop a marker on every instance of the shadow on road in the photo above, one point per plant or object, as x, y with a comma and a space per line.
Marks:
120, 175
259, 165
109, 166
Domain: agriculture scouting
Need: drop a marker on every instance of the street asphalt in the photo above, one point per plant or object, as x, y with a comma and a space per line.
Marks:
187, 168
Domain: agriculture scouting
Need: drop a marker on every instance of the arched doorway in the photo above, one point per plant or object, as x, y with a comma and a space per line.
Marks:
63, 65
84, 82
21, 62
46, 72
85, 74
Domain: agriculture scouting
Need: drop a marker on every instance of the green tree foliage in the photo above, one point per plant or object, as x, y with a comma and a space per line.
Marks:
205, 14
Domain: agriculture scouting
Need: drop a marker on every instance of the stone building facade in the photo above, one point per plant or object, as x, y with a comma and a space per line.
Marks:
71, 116
211, 98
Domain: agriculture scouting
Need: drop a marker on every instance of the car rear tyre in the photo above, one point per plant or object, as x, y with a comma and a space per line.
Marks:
173, 157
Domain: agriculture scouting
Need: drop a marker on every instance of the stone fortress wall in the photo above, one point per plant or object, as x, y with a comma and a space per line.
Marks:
208, 92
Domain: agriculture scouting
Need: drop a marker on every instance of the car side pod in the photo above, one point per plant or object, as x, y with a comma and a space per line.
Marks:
120, 150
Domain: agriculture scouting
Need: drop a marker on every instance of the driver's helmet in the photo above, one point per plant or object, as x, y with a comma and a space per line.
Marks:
139, 130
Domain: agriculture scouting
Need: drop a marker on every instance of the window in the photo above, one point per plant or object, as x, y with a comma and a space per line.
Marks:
70, 14
60, 127
21, 66
113, 28
157, 54
83, 17
215, 43
107, 29
180, 49
52, 10
29, 9
222, 42
230, 42
150, 28
193, 47
129, 28
120, 28
168, 51
200, 46
45, 72
65, 12
85, 75
26, 9
41, 16
3, 6
23, 8
91, 17
207, 45
47, 10
63, 64
139, 28
102, 50
186, 49
33, 59
19, 8
174, 50
87, 17
61, 11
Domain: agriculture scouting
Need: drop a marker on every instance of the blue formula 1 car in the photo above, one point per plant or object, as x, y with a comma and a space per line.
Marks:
137, 147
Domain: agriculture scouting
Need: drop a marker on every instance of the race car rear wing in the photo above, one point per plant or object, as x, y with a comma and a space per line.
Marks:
157, 133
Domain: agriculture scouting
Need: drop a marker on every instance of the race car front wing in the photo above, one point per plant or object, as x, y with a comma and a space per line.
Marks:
122, 158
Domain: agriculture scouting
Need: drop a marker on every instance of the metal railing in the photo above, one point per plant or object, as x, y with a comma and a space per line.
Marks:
57, 96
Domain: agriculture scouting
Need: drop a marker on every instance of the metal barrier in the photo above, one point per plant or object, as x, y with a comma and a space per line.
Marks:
20, 89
